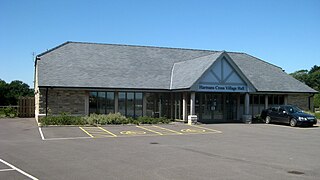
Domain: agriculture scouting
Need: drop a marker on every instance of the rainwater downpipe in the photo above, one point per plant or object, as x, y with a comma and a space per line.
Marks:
309, 103
47, 101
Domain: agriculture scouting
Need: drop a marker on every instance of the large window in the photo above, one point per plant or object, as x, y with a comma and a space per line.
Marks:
130, 103
138, 104
110, 102
101, 102
93, 102
122, 103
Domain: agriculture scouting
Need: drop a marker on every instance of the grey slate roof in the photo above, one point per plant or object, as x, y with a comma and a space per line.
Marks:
186, 73
267, 77
92, 65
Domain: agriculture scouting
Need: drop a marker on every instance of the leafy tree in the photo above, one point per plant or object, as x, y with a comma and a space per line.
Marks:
314, 80
301, 75
317, 100
315, 68
9, 93
3, 86
310, 78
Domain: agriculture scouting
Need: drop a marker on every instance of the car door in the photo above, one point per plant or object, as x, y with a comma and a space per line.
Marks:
273, 113
282, 117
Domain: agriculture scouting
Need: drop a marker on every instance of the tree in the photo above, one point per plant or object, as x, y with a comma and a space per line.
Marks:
310, 78
314, 80
9, 93
3, 86
315, 68
301, 75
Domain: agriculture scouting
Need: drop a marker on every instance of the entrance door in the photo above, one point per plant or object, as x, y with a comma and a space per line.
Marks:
230, 107
212, 107
218, 107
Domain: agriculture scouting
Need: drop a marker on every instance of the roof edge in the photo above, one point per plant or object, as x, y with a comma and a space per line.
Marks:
132, 45
52, 49
262, 60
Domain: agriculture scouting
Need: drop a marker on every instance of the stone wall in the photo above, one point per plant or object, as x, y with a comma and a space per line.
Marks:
301, 100
69, 101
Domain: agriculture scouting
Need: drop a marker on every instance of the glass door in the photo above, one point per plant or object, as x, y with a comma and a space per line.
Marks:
211, 107
230, 107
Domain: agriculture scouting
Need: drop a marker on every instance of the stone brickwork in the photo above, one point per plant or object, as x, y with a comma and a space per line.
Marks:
301, 100
69, 101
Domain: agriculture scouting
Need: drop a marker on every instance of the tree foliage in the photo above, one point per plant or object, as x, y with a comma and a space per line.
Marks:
10, 92
310, 78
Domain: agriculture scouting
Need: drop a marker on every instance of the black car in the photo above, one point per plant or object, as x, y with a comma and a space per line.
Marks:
288, 114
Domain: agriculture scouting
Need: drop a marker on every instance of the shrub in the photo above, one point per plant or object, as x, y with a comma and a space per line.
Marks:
257, 119
116, 118
8, 112
102, 119
63, 119
317, 114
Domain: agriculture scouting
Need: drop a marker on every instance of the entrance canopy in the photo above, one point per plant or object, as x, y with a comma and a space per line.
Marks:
213, 73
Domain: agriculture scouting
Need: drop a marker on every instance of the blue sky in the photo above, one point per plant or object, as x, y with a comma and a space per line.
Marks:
283, 32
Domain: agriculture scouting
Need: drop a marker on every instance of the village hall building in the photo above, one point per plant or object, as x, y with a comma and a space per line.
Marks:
218, 86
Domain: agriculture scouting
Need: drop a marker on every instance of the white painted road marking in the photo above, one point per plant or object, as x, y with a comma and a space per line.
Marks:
49, 139
3, 170
19, 170
41, 134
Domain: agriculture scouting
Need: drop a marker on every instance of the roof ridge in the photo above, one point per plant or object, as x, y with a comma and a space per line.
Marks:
131, 45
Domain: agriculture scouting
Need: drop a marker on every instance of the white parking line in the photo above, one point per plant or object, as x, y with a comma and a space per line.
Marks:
50, 139
19, 170
41, 134
3, 170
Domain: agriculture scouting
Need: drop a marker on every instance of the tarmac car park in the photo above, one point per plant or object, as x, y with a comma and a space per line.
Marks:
178, 151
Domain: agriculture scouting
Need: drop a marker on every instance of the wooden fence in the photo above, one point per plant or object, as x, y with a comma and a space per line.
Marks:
26, 107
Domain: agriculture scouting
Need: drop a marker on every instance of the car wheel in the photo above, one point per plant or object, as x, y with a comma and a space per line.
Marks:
268, 120
293, 122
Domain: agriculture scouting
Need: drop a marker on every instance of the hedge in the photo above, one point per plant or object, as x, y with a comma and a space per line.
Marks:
99, 119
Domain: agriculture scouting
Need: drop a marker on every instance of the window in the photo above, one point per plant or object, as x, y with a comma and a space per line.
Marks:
151, 103
110, 102
122, 103
93, 102
281, 99
130, 103
256, 99
276, 99
138, 104
101, 102
262, 99
270, 99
